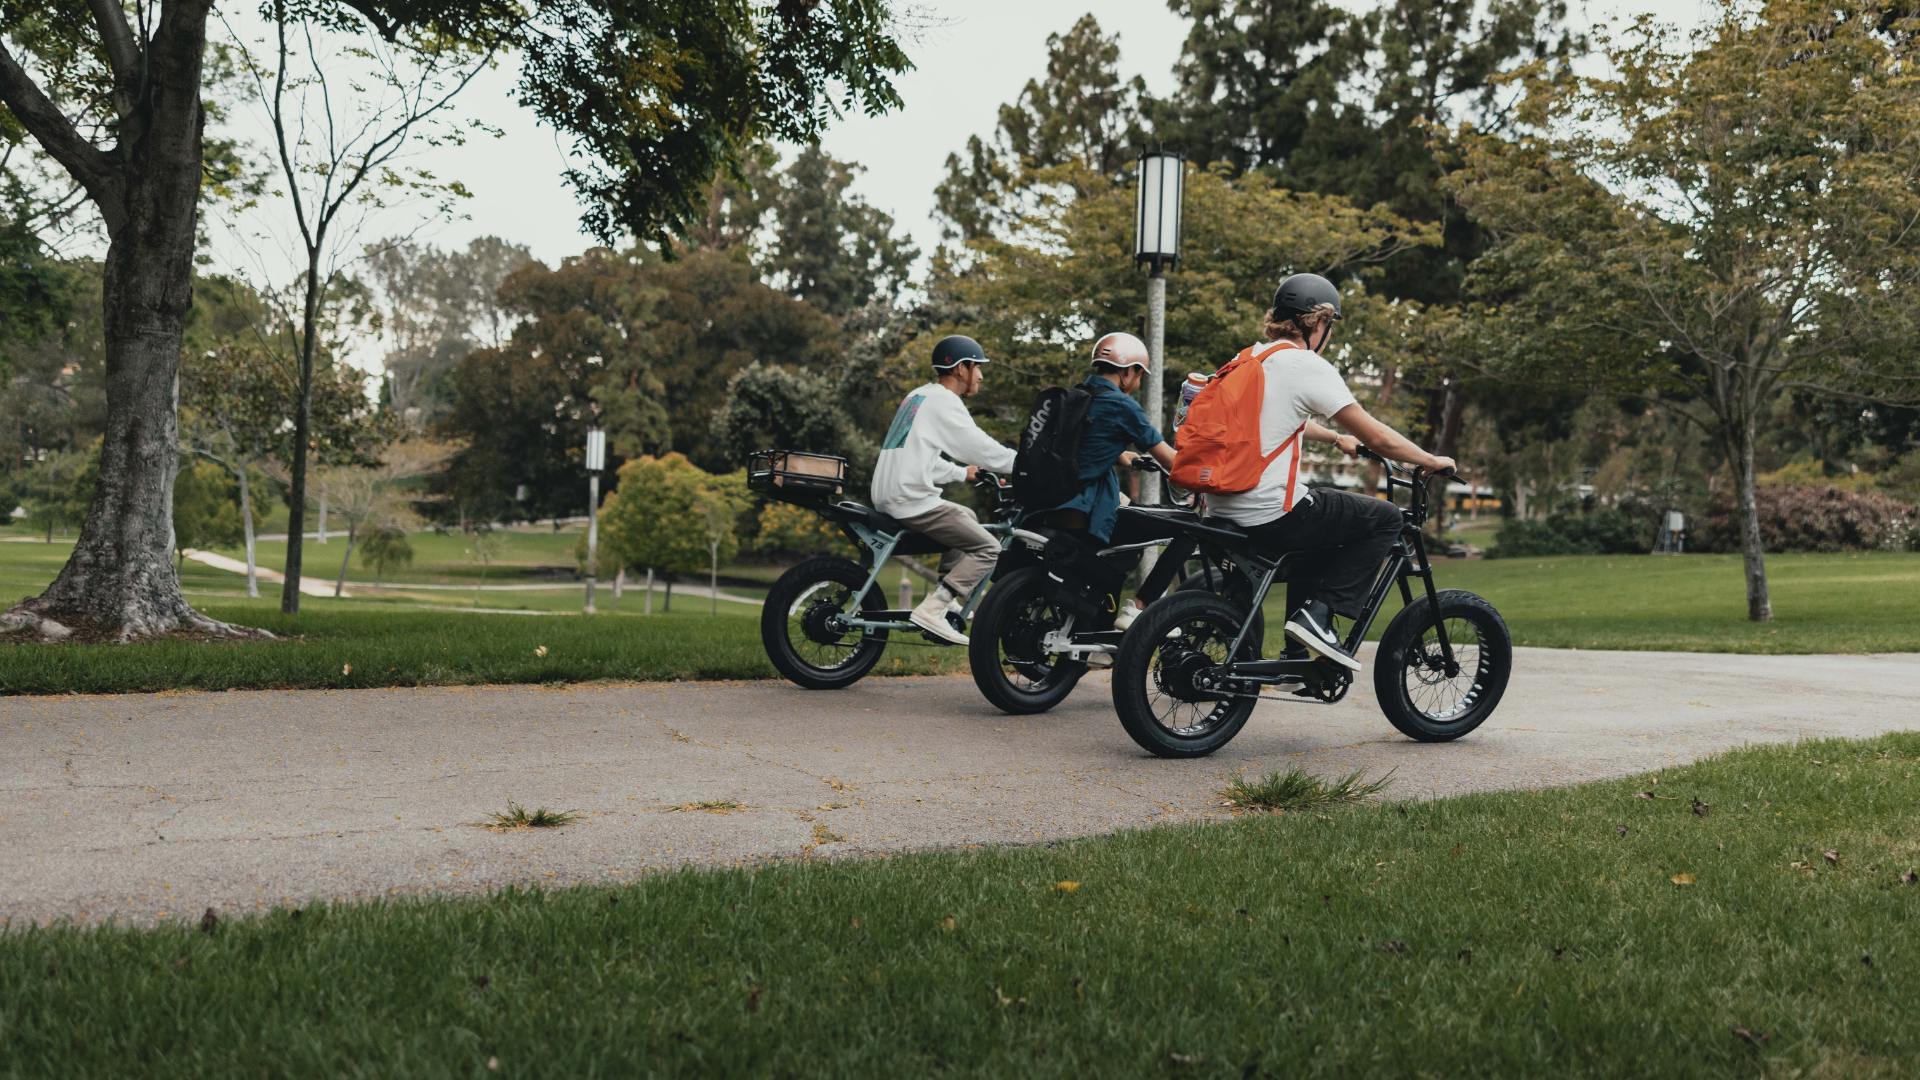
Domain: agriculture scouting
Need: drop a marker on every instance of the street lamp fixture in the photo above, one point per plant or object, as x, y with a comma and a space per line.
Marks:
1156, 230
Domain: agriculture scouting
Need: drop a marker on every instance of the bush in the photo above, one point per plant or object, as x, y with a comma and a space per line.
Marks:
786, 529
1600, 532
1813, 518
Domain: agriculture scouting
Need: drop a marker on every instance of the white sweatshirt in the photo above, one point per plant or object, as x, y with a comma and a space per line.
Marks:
932, 420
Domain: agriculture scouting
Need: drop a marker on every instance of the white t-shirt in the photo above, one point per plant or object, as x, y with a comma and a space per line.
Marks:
932, 420
1301, 386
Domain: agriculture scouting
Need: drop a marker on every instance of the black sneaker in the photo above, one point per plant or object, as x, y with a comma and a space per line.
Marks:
1312, 627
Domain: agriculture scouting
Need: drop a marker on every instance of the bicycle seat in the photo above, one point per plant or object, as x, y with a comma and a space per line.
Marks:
865, 515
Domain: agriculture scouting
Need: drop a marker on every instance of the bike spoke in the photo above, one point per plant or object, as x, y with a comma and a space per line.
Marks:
1431, 691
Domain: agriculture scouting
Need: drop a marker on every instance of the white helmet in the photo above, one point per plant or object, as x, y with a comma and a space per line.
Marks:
1121, 351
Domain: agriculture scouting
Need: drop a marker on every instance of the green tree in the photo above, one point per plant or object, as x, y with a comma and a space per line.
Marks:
771, 407
671, 516
830, 248
239, 393
435, 307
206, 509
1082, 113
53, 490
1724, 220
1038, 302
1257, 79
385, 547
657, 98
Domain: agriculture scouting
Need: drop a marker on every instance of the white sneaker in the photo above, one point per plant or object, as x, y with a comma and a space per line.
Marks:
1129, 612
931, 616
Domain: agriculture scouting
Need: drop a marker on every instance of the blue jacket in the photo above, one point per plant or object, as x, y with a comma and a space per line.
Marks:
1114, 422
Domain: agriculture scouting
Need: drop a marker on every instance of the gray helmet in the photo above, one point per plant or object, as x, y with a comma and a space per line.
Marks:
1302, 293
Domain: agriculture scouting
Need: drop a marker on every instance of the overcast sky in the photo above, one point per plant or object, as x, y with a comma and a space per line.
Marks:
977, 56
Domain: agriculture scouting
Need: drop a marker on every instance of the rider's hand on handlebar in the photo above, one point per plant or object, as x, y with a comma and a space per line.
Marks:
1440, 464
1348, 445
973, 473
1127, 458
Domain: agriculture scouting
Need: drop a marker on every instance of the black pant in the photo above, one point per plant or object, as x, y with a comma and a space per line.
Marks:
1343, 538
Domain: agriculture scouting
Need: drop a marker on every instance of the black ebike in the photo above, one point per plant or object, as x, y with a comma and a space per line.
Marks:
1050, 613
1189, 670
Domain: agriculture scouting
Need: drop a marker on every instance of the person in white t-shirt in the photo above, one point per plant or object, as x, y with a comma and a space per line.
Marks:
1347, 534
930, 432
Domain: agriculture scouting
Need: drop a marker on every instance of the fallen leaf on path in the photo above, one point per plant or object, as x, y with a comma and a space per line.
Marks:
1754, 1038
539, 650
949, 923
1681, 879
346, 669
1066, 886
1395, 947
1911, 877
1620, 830
209, 921
1701, 809
1832, 857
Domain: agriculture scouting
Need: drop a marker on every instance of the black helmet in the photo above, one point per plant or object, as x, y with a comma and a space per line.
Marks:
1301, 293
957, 349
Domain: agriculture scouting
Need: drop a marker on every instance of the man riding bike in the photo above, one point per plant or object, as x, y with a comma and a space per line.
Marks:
933, 421
1344, 535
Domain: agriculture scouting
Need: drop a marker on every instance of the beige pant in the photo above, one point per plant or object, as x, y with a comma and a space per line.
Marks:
971, 549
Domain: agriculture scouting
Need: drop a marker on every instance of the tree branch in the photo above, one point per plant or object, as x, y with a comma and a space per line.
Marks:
50, 127
122, 54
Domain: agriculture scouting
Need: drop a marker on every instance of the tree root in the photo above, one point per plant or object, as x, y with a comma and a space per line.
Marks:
19, 619
32, 617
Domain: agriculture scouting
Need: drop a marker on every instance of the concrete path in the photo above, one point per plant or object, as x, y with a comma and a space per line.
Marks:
309, 584
147, 807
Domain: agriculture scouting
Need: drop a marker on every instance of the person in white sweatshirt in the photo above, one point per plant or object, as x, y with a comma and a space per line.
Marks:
933, 421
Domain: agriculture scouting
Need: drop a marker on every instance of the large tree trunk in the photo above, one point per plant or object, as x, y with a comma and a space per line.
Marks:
1753, 558
120, 580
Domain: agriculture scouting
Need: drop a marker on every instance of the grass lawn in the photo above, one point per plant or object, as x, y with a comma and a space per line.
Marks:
1845, 603
1825, 603
438, 558
351, 643
1578, 931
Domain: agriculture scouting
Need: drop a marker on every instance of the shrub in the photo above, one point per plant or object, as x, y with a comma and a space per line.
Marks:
786, 529
1813, 518
1600, 532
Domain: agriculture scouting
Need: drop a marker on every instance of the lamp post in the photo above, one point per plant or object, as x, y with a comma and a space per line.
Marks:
596, 461
1156, 243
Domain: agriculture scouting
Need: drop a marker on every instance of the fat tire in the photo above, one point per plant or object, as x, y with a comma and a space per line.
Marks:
773, 624
983, 650
1132, 671
1405, 632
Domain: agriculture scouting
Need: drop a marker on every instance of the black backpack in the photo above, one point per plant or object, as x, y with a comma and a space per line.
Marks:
1047, 471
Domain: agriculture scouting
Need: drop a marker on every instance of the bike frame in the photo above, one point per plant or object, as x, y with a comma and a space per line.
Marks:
879, 546
1408, 559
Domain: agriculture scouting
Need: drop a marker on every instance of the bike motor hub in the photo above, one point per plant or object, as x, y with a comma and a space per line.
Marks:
824, 622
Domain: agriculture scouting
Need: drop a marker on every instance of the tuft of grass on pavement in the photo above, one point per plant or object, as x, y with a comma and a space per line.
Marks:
1297, 789
1570, 932
519, 817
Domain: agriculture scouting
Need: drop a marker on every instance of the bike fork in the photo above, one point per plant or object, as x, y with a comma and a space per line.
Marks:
1425, 570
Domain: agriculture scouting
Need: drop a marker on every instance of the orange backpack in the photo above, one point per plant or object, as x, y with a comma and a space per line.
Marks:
1218, 450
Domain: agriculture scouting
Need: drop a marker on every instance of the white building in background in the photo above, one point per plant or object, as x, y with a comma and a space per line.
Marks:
1349, 474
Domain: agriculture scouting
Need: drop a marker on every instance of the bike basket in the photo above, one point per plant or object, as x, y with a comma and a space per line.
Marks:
797, 474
